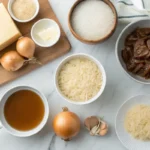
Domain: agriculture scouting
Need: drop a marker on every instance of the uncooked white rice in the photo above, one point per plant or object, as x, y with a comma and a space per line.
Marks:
80, 79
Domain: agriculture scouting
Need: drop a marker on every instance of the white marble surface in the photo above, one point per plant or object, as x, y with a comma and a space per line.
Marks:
118, 89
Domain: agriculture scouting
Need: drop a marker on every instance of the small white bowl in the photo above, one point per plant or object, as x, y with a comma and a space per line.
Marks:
120, 46
14, 131
81, 55
10, 2
44, 24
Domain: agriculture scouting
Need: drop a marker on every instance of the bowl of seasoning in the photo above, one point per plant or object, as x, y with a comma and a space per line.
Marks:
80, 79
133, 50
23, 10
92, 21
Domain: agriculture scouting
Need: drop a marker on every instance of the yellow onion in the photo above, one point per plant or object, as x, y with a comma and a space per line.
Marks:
12, 61
66, 124
25, 47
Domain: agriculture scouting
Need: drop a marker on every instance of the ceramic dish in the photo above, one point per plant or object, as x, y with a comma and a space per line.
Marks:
44, 24
80, 55
10, 2
129, 142
120, 45
12, 130
91, 41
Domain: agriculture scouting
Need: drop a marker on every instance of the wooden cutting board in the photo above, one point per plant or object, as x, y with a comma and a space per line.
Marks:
44, 55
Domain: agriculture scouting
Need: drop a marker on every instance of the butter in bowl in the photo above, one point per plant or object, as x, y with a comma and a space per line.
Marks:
45, 32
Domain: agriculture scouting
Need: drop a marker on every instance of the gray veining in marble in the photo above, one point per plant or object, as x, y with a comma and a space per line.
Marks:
119, 88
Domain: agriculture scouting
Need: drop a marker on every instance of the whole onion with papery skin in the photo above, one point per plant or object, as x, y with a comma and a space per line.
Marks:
12, 61
25, 47
66, 124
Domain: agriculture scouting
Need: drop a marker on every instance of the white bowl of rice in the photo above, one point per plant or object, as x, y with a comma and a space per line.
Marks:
80, 79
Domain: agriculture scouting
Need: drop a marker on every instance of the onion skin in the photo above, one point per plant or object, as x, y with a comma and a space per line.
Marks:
66, 125
12, 61
25, 47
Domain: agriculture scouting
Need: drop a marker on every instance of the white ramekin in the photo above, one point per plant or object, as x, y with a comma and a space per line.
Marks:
44, 24
90, 58
10, 2
13, 131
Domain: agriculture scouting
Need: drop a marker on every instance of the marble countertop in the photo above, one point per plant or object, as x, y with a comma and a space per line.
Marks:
119, 88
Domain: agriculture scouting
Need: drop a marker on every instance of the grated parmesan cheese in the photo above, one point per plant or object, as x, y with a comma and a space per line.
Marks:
80, 79
23, 9
137, 122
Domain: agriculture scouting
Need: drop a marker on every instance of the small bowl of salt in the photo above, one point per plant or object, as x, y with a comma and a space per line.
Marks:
92, 21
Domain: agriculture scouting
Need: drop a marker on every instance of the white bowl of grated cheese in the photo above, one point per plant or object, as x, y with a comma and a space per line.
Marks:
23, 11
80, 79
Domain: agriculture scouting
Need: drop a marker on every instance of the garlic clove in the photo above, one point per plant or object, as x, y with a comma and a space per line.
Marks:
103, 125
103, 132
95, 130
96, 126
91, 122
91, 133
